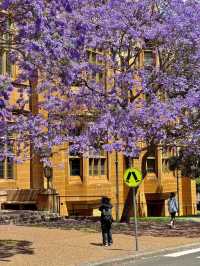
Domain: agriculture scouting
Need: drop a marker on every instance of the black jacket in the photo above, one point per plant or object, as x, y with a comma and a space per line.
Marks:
105, 206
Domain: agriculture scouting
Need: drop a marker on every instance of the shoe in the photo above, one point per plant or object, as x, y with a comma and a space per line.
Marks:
109, 244
105, 245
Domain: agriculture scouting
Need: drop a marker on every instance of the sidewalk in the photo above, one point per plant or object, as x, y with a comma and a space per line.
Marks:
33, 246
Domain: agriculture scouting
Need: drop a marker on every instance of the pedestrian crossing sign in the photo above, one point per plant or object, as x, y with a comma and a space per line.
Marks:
132, 177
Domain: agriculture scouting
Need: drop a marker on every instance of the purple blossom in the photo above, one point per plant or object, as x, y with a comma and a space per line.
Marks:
113, 100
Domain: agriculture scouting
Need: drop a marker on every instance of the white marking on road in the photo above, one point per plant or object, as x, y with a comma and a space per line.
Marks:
181, 253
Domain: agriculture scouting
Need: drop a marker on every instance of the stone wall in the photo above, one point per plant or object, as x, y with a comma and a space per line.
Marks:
27, 217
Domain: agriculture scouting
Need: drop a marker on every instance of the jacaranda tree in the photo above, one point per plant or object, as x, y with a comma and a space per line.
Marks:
112, 75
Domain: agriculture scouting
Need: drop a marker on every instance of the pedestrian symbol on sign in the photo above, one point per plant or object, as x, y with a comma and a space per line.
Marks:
132, 174
132, 177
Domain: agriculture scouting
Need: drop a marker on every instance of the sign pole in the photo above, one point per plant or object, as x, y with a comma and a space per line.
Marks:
117, 186
132, 178
135, 218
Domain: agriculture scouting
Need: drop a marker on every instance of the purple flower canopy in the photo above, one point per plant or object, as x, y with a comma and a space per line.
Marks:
109, 74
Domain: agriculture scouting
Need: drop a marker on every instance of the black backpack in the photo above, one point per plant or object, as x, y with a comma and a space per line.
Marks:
107, 215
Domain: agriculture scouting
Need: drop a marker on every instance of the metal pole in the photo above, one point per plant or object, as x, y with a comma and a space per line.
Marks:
135, 219
177, 183
58, 203
117, 186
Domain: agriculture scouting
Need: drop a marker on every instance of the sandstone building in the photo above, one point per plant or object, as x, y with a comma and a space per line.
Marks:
80, 182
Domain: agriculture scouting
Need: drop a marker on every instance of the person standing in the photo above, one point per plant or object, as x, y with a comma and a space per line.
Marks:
173, 208
106, 221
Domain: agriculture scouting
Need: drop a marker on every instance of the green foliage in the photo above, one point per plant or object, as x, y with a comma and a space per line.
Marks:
198, 180
189, 164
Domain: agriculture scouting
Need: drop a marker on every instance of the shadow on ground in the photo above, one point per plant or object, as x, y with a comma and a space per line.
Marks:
101, 245
97, 244
9, 248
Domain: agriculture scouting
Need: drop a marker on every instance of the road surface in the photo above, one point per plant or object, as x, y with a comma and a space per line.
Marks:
183, 257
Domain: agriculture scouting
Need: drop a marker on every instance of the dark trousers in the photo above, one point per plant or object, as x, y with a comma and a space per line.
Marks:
173, 215
106, 233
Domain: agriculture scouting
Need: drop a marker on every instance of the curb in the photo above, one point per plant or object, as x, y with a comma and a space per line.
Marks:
136, 256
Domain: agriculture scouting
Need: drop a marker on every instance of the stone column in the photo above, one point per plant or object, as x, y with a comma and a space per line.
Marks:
36, 168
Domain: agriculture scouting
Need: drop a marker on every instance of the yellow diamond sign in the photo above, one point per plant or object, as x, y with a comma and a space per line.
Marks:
132, 177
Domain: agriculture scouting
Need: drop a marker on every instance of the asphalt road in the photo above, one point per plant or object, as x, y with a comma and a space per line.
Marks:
184, 257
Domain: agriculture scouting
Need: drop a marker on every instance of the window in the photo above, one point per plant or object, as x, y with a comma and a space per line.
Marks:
151, 165
75, 164
103, 166
95, 58
99, 76
151, 160
95, 166
98, 164
5, 64
8, 67
75, 158
166, 154
165, 165
148, 58
7, 164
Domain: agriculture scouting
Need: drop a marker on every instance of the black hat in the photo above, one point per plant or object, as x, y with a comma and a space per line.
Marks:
105, 200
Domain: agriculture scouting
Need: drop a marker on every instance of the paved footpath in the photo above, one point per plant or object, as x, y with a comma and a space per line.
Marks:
34, 246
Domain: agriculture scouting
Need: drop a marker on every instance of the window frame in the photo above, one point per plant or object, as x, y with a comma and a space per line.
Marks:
5, 165
100, 157
92, 59
165, 157
152, 158
165, 165
151, 155
75, 157
6, 66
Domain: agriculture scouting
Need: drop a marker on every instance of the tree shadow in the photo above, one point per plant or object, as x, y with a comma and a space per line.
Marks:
109, 248
9, 248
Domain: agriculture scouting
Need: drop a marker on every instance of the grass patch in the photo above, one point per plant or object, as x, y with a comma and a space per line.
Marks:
152, 219
162, 219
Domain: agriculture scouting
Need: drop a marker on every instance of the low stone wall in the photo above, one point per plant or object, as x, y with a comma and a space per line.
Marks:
53, 220
47, 219
27, 217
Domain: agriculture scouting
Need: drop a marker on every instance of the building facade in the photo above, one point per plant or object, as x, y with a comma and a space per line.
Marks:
80, 182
